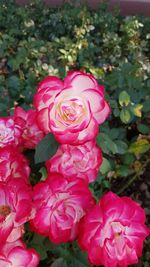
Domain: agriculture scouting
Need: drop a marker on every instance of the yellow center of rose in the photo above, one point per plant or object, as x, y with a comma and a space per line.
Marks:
5, 210
117, 229
72, 111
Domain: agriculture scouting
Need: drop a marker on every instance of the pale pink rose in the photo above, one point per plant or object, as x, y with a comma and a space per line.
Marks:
10, 133
27, 120
82, 161
113, 232
13, 164
15, 254
15, 209
72, 109
59, 206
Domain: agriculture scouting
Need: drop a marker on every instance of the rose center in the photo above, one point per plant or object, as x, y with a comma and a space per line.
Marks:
72, 111
69, 113
117, 228
5, 210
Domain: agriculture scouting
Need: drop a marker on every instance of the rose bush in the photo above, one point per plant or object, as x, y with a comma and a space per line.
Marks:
82, 161
113, 231
36, 41
13, 164
62, 207
59, 206
72, 109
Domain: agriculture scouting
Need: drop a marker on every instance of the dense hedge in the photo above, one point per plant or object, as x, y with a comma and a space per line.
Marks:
36, 41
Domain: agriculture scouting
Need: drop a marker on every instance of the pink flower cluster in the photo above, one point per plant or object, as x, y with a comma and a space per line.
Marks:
17, 133
15, 210
20, 130
62, 206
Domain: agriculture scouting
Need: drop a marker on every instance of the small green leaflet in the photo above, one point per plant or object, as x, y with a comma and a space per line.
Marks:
46, 148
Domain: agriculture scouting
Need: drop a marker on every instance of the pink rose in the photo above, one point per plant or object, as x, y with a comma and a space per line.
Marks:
82, 161
15, 209
113, 232
59, 206
72, 109
16, 254
13, 164
10, 133
31, 134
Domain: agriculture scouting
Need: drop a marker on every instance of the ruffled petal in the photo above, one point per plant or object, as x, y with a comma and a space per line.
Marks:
80, 81
43, 120
102, 115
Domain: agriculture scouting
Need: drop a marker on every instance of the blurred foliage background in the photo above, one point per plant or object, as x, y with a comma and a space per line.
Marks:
36, 41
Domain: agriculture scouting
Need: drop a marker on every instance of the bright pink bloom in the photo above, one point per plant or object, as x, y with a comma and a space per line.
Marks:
13, 164
10, 133
15, 209
16, 254
31, 134
59, 206
71, 109
113, 232
82, 161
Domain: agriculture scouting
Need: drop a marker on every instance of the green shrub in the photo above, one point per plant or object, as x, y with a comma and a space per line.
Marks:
36, 41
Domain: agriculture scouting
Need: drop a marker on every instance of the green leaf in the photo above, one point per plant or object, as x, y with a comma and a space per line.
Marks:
146, 105
106, 183
124, 99
125, 116
146, 264
144, 129
100, 178
3, 109
105, 167
63, 51
38, 245
121, 147
123, 170
106, 143
46, 148
139, 147
13, 84
41, 250
137, 110
116, 112
114, 133
128, 158
59, 263
77, 263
